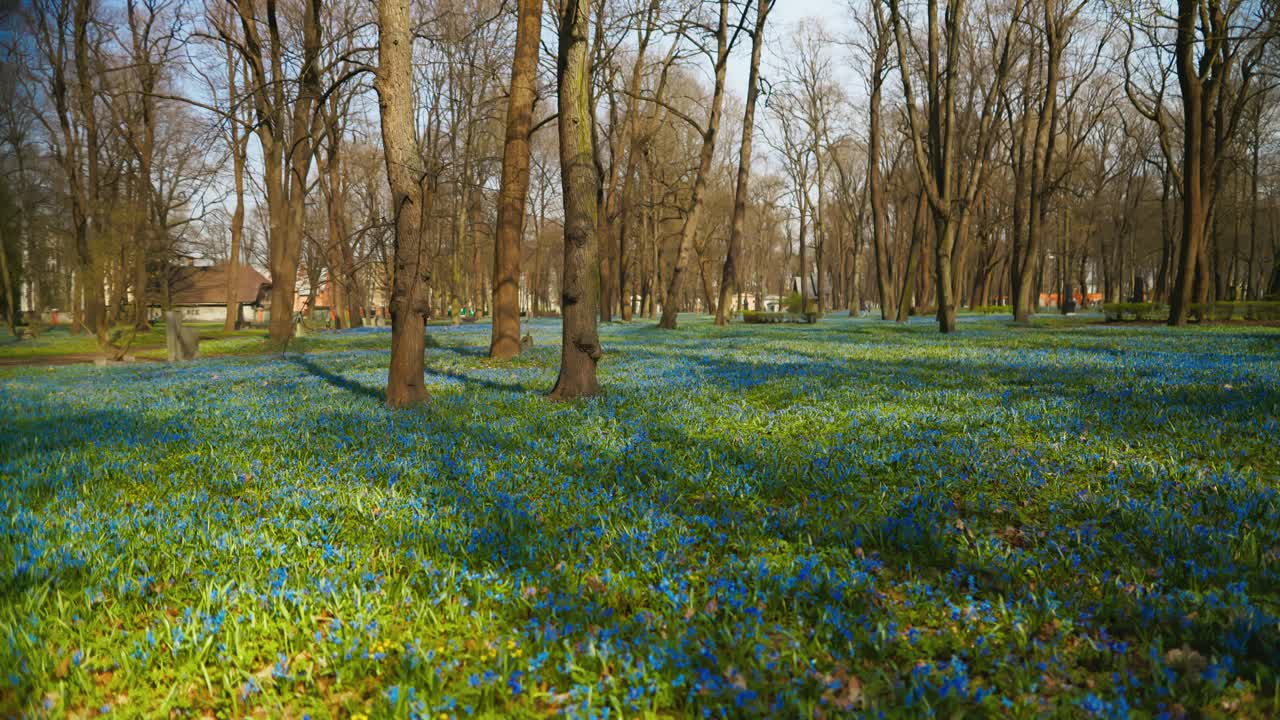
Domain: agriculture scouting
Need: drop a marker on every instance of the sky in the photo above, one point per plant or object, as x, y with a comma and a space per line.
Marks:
785, 15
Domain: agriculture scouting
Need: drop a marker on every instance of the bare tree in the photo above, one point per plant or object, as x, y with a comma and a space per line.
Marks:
729, 273
237, 139
286, 125
1039, 137
1217, 48
670, 308
877, 48
949, 184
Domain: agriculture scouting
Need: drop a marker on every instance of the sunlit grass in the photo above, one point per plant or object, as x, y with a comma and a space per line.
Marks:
1062, 519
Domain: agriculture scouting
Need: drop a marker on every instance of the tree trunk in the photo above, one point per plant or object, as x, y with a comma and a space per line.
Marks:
580, 349
1193, 219
94, 316
1254, 151
10, 306
670, 308
729, 273
804, 256
396, 107
1166, 239
237, 235
1042, 155
918, 231
708, 292
286, 128
879, 212
944, 246
505, 342
239, 148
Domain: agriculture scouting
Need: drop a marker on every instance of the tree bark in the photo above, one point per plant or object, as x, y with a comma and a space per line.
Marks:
919, 230
408, 301
580, 349
239, 149
729, 273
670, 305
875, 181
90, 215
505, 342
1193, 137
286, 128
1042, 156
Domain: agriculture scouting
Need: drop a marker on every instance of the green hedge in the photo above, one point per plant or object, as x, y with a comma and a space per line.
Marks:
994, 309
1131, 312
1215, 312
1260, 310
1266, 311
756, 317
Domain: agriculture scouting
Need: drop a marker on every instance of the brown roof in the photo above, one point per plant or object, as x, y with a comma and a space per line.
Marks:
208, 285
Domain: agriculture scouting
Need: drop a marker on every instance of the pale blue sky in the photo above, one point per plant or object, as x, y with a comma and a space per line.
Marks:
833, 14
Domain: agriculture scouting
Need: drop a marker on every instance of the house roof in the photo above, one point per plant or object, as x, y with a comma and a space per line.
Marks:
208, 285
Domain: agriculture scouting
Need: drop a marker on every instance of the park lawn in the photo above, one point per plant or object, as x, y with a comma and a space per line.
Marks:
1062, 520
59, 342
149, 344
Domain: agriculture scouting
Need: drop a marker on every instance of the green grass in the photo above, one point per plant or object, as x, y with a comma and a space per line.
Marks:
1065, 519
150, 344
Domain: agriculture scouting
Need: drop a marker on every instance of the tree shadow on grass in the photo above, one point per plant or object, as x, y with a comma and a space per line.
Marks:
25, 436
315, 370
344, 383
467, 351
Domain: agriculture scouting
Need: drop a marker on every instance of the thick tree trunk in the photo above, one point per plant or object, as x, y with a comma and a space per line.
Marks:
286, 128
505, 342
282, 259
1193, 219
580, 349
408, 299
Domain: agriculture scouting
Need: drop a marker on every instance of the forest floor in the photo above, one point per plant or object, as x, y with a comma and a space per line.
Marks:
1066, 519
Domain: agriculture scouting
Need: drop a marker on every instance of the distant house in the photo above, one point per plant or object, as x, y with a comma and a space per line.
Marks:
1081, 299
321, 305
200, 292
